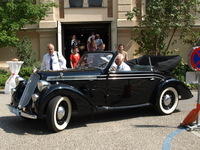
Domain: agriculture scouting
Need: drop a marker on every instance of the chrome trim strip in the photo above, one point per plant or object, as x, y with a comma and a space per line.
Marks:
123, 78
58, 78
66, 79
105, 77
29, 90
113, 78
119, 75
124, 107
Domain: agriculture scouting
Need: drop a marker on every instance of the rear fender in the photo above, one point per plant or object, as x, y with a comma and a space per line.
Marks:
182, 89
79, 101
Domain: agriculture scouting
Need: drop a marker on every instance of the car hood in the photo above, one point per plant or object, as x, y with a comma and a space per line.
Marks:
45, 75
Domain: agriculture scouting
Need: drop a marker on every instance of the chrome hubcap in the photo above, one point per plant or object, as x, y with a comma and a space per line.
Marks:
167, 99
60, 112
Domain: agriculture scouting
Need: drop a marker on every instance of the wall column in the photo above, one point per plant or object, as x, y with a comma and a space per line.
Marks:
114, 35
47, 36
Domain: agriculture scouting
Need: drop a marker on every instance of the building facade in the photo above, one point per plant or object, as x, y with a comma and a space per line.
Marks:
82, 17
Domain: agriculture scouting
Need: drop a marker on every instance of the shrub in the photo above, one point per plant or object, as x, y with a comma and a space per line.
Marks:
25, 52
180, 71
3, 72
25, 72
4, 75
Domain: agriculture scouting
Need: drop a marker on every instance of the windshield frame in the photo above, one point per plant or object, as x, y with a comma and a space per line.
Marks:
104, 57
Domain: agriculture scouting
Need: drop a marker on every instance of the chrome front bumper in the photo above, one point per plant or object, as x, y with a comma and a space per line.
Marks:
18, 112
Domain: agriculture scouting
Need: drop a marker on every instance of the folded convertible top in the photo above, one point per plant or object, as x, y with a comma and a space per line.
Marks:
162, 63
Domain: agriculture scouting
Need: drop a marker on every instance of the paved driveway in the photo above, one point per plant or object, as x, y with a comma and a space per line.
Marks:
139, 128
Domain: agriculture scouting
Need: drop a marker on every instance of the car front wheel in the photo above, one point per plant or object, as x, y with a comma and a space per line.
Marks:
59, 113
167, 101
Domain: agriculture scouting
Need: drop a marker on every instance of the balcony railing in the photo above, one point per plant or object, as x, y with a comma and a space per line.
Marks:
85, 3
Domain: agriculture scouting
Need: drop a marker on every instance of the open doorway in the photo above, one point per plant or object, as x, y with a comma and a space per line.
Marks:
82, 32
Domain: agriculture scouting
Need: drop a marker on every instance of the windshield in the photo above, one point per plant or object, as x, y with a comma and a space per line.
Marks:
95, 60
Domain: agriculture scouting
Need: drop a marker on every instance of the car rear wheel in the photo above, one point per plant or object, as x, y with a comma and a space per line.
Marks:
59, 113
167, 101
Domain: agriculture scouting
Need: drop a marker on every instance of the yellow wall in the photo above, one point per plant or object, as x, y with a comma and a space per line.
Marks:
10, 53
179, 48
34, 37
46, 31
39, 40
125, 37
7, 53
46, 37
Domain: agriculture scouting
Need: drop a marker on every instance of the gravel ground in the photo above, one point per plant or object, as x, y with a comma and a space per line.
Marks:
139, 128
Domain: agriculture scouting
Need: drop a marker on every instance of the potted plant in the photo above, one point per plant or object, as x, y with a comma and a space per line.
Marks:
76, 3
95, 3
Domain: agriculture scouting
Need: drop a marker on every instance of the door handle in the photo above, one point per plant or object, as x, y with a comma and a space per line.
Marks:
152, 79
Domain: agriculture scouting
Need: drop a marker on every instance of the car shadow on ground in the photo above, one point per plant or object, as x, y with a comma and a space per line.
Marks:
20, 126
114, 115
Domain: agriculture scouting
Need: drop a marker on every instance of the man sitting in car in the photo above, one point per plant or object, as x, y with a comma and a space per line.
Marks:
119, 64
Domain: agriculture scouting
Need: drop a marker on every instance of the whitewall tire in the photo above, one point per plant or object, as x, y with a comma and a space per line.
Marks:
59, 113
167, 101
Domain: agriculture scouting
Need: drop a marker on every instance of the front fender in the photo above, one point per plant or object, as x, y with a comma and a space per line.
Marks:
181, 88
79, 101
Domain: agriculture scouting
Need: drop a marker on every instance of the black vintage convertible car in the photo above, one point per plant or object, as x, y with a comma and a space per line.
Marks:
93, 86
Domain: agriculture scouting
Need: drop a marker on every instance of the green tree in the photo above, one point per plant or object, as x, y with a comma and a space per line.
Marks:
156, 29
25, 52
14, 14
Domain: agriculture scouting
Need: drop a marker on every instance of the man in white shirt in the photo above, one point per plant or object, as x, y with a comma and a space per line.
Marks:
119, 65
53, 60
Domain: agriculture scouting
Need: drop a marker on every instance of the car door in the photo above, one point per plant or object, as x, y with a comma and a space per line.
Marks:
97, 90
94, 87
130, 88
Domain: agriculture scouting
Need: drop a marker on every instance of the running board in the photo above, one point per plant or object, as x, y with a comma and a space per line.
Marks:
123, 107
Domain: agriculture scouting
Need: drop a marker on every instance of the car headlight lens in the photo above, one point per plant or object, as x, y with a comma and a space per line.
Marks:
18, 80
42, 85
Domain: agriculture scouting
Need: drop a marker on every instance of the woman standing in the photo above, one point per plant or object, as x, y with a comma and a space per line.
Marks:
74, 57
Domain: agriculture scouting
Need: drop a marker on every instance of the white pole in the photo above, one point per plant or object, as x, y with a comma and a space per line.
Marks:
59, 37
198, 99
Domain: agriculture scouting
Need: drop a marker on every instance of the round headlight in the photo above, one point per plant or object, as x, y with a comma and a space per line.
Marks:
18, 80
42, 85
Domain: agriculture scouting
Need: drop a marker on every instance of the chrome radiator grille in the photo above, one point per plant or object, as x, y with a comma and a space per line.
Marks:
29, 90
